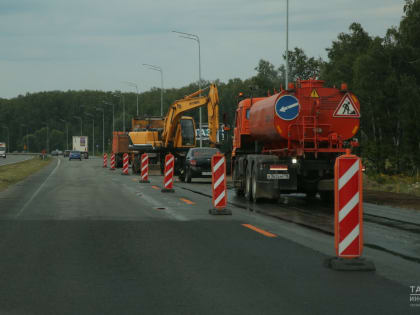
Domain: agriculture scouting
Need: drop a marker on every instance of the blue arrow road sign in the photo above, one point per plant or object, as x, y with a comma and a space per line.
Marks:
287, 107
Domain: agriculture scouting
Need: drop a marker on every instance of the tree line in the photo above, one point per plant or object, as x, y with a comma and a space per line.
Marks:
384, 72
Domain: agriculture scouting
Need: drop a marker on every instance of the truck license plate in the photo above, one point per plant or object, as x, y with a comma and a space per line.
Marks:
278, 176
206, 173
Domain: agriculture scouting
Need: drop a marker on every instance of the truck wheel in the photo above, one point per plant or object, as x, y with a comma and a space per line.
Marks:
135, 169
310, 194
162, 166
248, 185
181, 175
239, 191
188, 176
255, 189
327, 197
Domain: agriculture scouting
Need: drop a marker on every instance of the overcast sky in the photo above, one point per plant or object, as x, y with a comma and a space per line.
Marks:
96, 44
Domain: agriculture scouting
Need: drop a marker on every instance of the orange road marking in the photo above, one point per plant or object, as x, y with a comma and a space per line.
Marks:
187, 201
268, 234
155, 187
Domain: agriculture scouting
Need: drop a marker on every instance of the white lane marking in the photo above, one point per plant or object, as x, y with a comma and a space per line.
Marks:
348, 175
218, 164
38, 190
219, 181
348, 207
218, 199
348, 240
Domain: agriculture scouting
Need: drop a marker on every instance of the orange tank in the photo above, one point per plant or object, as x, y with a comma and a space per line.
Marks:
310, 110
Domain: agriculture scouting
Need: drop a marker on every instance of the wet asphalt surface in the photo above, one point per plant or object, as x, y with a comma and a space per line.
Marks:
79, 239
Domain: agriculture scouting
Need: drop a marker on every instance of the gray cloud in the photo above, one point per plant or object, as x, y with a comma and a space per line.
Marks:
54, 44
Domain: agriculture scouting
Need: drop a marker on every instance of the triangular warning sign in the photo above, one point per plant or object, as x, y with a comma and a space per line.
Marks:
314, 94
346, 108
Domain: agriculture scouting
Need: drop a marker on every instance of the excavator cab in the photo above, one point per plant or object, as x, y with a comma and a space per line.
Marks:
185, 133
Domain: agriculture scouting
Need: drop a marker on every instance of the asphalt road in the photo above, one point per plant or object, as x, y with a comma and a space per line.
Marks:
11, 159
79, 239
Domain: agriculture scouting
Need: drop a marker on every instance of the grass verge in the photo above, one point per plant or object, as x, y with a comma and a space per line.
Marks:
397, 190
11, 174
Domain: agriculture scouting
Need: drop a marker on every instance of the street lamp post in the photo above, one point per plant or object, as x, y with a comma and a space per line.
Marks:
157, 68
93, 133
8, 139
132, 84
103, 128
287, 44
197, 39
48, 138
111, 104
81, 124
67, 133
27, 140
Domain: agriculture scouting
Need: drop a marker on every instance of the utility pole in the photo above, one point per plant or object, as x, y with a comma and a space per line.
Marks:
48, 137
93, 132
158, 68
132, 84
197, 39
103, 128
81, 124
287, 44
27, 140
113, 125
67, 133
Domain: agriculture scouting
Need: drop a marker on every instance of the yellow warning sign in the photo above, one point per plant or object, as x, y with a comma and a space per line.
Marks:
314, 94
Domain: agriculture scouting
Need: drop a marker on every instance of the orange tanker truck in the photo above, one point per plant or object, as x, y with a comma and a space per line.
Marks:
288, 142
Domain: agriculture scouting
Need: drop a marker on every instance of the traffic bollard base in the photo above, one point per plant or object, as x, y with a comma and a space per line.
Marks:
168, 190
352, 264
220, 211
144, 181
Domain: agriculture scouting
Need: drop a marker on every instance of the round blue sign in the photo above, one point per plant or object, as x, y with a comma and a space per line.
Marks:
287, 107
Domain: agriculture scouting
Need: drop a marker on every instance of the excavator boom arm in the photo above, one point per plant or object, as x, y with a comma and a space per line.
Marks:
178, 108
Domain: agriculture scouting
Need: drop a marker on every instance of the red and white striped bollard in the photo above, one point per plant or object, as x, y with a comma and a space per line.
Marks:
168, 179
348, 209
105, 160
144, 168
218, 179
125, 164
112, 162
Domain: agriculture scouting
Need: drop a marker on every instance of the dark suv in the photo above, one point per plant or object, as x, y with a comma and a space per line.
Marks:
198, 163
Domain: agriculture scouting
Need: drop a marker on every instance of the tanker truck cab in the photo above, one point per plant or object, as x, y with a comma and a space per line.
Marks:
288, 142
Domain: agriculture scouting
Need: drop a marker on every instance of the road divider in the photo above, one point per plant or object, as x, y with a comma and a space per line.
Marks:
112, 162
258, 230
218, 171
168, 178
125, 164
348, 210
144, 174
105, 160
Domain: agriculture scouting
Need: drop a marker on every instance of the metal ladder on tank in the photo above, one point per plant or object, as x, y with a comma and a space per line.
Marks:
309, 123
